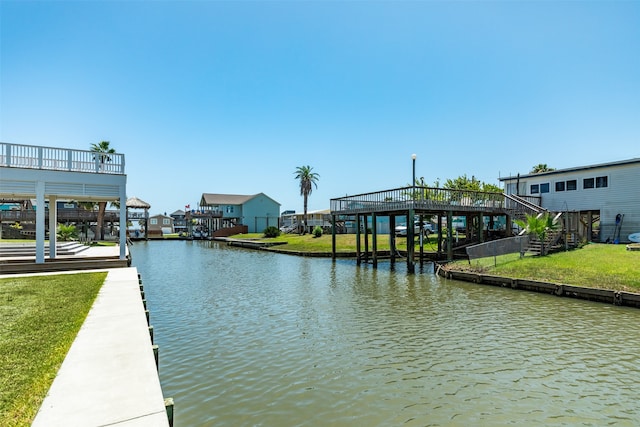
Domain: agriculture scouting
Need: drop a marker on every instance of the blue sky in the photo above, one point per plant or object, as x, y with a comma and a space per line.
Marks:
230, 97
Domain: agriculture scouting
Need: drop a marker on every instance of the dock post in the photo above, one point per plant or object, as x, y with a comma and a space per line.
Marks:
168, 405
366, 238
358, 260
333, 237
374, 241
392, 238
411, 244
449, 236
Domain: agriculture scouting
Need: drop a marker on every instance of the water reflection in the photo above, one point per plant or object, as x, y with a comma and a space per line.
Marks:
254, 338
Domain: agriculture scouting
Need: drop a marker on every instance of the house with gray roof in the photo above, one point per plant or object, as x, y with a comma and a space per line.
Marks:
607, 195
256, 212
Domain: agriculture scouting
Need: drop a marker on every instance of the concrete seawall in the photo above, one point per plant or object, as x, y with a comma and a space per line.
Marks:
109, 376
608, 296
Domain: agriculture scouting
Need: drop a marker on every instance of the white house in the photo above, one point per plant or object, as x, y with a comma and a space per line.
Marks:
607, 195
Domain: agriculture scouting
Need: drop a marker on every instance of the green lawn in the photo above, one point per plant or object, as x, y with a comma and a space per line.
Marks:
595, 265
344, 242
40, 317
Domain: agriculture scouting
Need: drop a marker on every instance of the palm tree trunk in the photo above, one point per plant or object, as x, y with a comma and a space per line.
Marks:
304, 217
102, 206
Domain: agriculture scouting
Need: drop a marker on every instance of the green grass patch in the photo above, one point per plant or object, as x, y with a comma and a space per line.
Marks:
595, 265
344, 242
40, 317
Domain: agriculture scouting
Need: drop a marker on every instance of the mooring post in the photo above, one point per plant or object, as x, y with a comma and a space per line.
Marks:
168, 405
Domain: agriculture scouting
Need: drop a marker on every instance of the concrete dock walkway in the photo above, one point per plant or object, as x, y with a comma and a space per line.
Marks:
109, 377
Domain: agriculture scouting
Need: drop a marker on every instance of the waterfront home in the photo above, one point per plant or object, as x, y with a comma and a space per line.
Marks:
179, 221
49, 174
255, 212
160, 224
606, 195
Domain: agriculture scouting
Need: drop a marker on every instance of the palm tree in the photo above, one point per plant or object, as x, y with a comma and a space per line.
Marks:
539, 226
308, 179
541, 167
104, 150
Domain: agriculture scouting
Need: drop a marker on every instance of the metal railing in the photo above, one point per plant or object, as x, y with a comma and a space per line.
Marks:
420, 198
60, 159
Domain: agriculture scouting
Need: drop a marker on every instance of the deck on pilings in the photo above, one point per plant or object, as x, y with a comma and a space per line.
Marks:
427, 202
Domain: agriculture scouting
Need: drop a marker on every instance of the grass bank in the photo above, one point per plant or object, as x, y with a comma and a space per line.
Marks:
344, 242
596, 265
40, 317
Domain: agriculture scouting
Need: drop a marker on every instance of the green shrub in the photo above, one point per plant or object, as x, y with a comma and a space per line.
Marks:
271, 231
317, 231
67, 232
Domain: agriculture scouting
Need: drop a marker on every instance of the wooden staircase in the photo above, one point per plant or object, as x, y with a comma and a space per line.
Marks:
558, 239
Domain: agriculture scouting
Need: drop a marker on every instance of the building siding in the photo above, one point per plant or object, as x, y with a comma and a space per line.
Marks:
621, 196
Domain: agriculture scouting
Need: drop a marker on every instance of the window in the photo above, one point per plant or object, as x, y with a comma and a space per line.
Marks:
544, 188
229, 209
602, 181
588, 183
560, 186
153, 221
535, 189
572, 185
166, 221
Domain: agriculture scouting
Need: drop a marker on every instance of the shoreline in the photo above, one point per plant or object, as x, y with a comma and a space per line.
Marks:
607, 296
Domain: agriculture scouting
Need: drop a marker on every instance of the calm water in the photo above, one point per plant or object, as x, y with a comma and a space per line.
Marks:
251, 338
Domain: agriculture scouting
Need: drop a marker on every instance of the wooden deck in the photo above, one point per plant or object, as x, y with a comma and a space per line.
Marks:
426, 202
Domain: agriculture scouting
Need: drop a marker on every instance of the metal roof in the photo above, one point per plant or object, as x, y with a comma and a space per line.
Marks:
211, 199
574, 169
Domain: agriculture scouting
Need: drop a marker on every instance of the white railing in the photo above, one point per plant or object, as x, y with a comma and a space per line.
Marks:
60, 159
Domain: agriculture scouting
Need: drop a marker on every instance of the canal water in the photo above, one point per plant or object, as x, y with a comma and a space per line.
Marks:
252, 338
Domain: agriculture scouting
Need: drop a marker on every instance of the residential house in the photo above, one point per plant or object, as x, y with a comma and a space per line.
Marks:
256, 212
291, 221
607, 195
179, 221
160, 225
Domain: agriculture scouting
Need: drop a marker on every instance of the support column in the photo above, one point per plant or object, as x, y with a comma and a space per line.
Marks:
366, 238
374, 240
421, 240
53, 215
358, 239
392, 238
333, 237
449, 236
40, 222
411, 247
481, 226
439, 234
123, 224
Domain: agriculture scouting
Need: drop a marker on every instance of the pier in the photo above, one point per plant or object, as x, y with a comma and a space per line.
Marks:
425, 203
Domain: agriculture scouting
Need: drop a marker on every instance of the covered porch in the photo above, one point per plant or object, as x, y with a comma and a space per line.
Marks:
48, 174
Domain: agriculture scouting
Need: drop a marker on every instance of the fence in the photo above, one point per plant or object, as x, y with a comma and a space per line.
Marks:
495, 248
